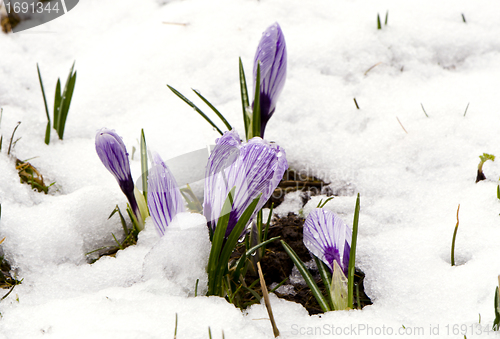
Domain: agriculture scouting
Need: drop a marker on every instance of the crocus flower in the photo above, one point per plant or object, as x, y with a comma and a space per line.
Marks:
164, 197
328, 238
252, 168
271, 53
113, 154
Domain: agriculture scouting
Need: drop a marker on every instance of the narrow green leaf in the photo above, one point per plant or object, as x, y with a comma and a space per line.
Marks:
57, 104
219, 114
279, 285
379, 25
117, 242
217, 241
67, 95
386, 18
144, 166
322, 204
244, 98
232, 240
266, 231
256, 106
47, 131
453, 239
307, 277
255, 294
352, 257
324, 272
199, 111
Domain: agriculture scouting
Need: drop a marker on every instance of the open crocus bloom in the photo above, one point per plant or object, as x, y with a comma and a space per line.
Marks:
328, 238
164, 197
253, 168
271, 53
113, 154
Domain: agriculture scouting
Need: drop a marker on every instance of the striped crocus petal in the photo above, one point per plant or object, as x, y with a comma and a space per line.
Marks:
271, 53
253, 168
164, 197
113, 154
328, 238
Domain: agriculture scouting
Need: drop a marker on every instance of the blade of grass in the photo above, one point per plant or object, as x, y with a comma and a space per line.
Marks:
199, 111
232, 240
423, 109
386, 18
352, 256
244, 97
256, 106
307, 277
57, 104
217, 241
453, 240
47, 130
67, 95
325, 276
219, 114
379, 25
12, 137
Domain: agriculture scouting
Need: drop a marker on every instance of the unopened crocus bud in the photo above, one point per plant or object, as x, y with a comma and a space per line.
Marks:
328, 238
164, 197
252, 168
272, 56
113, 154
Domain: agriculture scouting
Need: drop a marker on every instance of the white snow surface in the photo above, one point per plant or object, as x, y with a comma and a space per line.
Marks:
411, 180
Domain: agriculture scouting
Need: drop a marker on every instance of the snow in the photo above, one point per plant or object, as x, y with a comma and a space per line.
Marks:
411, 180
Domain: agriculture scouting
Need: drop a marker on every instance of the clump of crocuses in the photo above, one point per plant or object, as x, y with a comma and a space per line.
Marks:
252, 168
113, 154
272, 56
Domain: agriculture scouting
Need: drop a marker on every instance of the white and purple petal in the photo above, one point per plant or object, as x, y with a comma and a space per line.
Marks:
272, 55
164, 197
253, 168
328, 238
113, 154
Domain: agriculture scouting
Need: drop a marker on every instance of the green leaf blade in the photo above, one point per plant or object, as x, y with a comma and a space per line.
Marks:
199, 111
352, 256
307, 277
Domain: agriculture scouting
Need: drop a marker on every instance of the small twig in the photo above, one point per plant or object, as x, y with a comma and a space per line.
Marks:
466, 108
175, 332
267, 302
423, 109
453, 241
369, 69
463, 18
356, 103
402, 125
175, 23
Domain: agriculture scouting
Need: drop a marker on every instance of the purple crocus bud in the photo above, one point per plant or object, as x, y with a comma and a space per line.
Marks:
252, 168
164, 197
328, 238
271, 53
113, 154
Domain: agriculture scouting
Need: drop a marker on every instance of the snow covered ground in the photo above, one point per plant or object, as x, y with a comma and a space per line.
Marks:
411, 179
